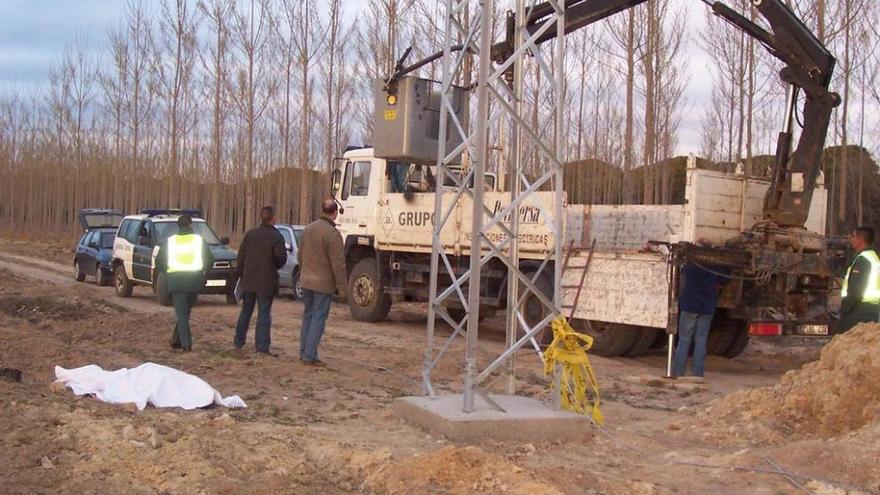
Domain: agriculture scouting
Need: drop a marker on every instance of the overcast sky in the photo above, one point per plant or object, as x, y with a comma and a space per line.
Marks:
34, 33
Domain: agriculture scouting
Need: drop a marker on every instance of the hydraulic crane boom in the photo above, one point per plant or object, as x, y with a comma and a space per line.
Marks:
808, 68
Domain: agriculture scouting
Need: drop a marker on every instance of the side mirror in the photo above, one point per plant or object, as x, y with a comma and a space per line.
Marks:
288, 246
335, 181
143, 240
224, 241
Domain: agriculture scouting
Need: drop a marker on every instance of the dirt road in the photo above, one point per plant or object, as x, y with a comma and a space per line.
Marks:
330, 430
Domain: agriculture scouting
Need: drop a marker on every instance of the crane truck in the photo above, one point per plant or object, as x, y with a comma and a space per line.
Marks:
770, 232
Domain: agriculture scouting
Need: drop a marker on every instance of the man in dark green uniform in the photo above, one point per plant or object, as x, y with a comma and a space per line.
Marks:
861, 288
185, 258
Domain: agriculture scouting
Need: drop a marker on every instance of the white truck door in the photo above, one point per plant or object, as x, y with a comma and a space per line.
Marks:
358, 197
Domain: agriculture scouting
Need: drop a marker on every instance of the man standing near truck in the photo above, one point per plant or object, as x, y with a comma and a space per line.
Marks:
261, 254
184, 258
322, 272
860, 292
697, 303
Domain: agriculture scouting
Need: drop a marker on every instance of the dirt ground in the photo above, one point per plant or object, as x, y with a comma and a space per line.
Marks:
331, 430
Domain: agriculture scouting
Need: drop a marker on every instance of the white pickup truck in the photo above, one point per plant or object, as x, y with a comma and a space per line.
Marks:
627, 293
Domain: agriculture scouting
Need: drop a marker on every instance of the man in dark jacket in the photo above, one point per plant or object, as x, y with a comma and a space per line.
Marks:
185, 258
861, 288
261, 254
697, 303
321, 259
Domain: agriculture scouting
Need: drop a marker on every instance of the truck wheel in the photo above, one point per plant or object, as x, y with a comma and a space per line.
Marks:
740, 341
102, 277
611, 339
720, 337
162, 294
366, 298
77, 272
644, 341
533, 310
123, 285
458, 313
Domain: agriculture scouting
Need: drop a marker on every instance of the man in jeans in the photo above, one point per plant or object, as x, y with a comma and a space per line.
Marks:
696, 304
262, 253
322, 272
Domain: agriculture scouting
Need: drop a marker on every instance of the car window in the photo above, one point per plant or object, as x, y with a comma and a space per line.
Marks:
164, 230
92, 238
132, 232
298, 235
106, 240
122, 228
84, 240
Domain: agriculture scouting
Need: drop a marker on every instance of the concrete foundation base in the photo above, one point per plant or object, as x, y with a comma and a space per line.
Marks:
525, 419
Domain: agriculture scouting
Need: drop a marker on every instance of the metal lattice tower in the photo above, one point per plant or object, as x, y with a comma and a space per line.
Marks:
497, 100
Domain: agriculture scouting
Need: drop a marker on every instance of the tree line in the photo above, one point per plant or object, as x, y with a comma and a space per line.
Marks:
227, 105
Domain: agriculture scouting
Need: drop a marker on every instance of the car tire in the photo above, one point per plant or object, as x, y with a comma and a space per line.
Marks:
296, 286
78, 274
102, 278
366, 298
162, 294
230, 298
121, 282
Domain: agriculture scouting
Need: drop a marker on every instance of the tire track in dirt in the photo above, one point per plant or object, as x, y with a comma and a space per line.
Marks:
55, 274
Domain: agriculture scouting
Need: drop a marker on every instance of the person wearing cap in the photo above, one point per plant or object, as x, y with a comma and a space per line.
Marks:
184, 257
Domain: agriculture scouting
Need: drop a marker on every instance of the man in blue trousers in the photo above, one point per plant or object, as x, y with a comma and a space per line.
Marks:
322, 273
697, 302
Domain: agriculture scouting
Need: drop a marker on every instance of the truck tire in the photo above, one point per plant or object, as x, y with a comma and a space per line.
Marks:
102, 277
162, 294
721, 336
458, 313
367, 300
77, 272
644, 342
533, 310
123, 285
740, 341
611, 339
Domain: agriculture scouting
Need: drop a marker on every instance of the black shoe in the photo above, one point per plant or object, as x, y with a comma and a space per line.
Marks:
186, 349
175, 345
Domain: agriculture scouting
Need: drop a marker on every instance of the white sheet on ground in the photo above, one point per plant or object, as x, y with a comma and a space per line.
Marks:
151, 383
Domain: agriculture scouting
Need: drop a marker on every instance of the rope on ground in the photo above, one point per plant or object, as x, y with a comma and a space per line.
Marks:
578, 388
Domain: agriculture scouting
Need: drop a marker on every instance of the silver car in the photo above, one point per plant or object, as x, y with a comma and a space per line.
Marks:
288, 274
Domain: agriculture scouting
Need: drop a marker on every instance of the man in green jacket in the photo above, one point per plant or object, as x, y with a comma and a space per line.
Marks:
860, 292
186, 259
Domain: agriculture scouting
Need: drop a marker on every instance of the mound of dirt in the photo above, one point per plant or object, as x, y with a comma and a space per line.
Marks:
837, 394
37, 308
455, 470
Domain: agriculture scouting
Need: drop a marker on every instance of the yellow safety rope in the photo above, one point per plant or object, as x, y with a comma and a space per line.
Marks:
569, 351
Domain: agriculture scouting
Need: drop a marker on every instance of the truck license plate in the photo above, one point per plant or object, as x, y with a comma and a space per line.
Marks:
216, 283
814, 329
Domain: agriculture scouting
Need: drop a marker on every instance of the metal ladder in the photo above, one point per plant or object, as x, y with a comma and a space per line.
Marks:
585, 268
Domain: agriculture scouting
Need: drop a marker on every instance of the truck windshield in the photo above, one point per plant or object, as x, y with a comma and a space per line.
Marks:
164, 230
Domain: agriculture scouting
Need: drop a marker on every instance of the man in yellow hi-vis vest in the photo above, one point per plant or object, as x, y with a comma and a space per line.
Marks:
861, 287
185, 258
